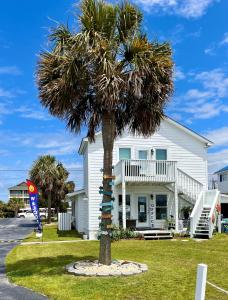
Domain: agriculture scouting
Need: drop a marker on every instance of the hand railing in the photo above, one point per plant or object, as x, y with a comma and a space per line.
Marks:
188, 185
196, 213
146, 170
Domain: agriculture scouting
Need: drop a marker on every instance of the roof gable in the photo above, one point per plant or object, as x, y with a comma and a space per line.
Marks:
222, 170
187, 130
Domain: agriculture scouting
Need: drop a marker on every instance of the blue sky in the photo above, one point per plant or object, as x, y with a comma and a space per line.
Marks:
198, 32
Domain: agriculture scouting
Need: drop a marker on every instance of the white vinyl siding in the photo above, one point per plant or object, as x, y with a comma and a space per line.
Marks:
189, 152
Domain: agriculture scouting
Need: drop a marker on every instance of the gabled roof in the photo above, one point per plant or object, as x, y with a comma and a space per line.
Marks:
222, 170
20, 186
189, 131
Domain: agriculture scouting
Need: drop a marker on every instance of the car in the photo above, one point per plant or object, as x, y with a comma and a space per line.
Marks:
27, 213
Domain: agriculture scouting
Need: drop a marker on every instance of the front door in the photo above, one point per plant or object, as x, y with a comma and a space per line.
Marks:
161, 211
142, 209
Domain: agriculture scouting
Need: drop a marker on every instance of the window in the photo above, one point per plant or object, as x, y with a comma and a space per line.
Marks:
128, 208
124, 153
143, 154
161, 154
142, 209
223, 177
161, 207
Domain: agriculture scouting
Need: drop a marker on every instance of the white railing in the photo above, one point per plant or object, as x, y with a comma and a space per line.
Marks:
188, 185
145, 171
207, 199
196, 213
212, 200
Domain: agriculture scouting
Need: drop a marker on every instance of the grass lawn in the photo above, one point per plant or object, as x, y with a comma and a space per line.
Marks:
50, 233
171, 275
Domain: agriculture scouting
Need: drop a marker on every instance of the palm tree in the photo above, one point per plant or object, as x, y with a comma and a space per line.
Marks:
15, 204
44, 173
107, 75
59, 189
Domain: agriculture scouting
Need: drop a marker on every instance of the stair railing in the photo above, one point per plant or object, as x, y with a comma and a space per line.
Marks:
196, 213
212, 215
188, 185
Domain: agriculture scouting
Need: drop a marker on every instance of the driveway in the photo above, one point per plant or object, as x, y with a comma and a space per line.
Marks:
11, 232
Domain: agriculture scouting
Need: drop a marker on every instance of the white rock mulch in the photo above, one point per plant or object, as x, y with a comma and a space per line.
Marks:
117, 268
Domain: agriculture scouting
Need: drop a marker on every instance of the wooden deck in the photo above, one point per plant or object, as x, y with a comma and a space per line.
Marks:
155, 234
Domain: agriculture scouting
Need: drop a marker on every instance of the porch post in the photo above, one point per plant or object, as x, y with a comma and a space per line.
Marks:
124, 204
176, 207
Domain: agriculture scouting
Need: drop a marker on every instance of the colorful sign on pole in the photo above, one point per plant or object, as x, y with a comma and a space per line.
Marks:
33, 197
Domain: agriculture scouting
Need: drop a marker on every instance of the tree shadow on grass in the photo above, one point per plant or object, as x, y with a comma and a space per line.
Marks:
43, 265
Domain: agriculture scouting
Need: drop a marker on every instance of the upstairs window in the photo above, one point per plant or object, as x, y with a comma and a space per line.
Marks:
124, 153
143, 154
161, 154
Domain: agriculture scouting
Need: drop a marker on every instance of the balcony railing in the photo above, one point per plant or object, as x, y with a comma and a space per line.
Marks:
145, 171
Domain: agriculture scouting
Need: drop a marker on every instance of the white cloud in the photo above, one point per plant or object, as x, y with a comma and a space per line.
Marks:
225, 39
6, 93
215, 80
205, 102
197, 94
10, 70
184, 8
32, 113
178, 74
217, 160
219, 136
210, 51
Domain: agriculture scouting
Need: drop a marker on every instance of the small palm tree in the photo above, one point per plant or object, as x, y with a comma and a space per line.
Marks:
44, 173
15, 204
107, 75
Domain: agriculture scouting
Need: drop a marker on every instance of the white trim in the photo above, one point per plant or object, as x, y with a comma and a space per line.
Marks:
123, 147
78, 192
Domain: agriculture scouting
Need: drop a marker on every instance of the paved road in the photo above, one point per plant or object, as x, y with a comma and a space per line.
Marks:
11, 232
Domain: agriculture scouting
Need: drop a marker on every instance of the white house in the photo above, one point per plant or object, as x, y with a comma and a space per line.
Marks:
155, 177
222, 180
222, 183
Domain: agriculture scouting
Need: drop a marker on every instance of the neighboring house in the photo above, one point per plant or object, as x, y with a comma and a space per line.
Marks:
155, 178
222, 183
222, 180
20, 191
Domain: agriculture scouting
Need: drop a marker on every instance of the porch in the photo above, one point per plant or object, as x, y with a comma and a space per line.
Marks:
146, 174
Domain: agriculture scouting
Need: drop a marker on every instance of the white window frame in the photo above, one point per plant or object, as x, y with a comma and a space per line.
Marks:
123, 147
143, 149
161, 148
155, 205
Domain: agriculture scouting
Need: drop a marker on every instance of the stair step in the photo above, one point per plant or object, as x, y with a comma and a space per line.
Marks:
157, 237
201, 234
202, 228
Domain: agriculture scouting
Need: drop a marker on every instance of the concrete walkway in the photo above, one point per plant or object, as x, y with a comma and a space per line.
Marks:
13, 230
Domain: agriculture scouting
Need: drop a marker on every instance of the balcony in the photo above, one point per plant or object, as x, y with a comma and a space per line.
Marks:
157, 171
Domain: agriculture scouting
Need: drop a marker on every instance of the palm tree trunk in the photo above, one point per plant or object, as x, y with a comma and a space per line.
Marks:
108, 134
49, 208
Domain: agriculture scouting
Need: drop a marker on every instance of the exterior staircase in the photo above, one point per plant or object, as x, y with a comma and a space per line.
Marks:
203, 216
188, 188
202, 228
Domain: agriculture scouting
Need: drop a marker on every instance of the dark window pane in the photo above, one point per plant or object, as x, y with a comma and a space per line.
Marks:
161, 213
161, 154
142, 209
128, 207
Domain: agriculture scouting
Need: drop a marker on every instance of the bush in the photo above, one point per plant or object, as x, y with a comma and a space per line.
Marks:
119, 233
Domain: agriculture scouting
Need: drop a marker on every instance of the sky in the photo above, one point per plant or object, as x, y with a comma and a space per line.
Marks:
198, 33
